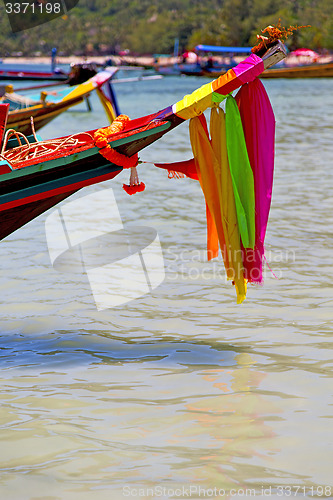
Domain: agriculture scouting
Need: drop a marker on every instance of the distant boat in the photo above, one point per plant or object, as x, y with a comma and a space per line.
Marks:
210, 67
78, 73
191, 69
169, 69
199, 70
21, 72
302, 63
301, 71
47, 105
317, 70
26, 72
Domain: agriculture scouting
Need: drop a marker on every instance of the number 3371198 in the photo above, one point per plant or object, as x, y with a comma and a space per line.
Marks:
33, 8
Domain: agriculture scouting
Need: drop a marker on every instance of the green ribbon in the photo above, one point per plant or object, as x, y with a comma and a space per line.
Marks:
241, 174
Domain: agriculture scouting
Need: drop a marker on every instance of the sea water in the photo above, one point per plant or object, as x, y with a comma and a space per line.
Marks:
180, 392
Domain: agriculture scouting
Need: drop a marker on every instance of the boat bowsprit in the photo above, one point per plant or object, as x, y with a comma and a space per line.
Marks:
36, 175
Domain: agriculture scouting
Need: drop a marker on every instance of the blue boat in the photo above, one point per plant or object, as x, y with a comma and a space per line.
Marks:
207, 66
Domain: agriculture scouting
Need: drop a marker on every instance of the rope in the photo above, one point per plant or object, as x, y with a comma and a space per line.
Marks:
33, 128
9, 134
40, 149
36, 150
20, 100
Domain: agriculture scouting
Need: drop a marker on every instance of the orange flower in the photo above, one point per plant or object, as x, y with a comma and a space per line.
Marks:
119, 159
101, 141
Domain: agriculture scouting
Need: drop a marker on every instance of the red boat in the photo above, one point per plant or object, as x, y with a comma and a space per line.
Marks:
24, 73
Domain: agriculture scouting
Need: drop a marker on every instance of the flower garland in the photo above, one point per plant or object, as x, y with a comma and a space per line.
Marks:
101, 141
101, 137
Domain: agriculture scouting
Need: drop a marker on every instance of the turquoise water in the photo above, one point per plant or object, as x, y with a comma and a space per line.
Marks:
179, 393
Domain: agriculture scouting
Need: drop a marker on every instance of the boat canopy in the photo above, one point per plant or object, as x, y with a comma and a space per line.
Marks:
223, 50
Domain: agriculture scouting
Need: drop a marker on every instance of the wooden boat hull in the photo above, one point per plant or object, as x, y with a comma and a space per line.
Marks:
29, 195
309, 71
12, 219
208, 73
31, 75
215, 73
189, 69
45, 111
27, 192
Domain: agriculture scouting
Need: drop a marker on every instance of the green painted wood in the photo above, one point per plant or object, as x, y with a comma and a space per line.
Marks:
62, 182
81, 155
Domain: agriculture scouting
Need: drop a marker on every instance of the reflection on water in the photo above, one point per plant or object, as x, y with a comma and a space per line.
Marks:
190, 405
180, 387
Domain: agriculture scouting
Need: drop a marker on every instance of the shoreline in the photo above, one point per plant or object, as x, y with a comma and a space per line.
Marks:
140, 60
135, 61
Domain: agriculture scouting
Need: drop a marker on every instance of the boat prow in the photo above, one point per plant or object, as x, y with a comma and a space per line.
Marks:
37, 175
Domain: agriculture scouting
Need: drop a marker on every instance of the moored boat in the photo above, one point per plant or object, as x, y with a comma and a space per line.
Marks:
317, 70
27, 72
47, 105
214, 61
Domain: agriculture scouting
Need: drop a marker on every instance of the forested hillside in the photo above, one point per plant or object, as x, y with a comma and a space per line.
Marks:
151, 26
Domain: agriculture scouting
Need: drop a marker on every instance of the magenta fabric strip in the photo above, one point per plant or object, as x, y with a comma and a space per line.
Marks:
259, 129
248, 69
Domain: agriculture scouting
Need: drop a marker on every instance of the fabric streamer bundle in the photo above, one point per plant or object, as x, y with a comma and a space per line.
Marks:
259, 130
234, 163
